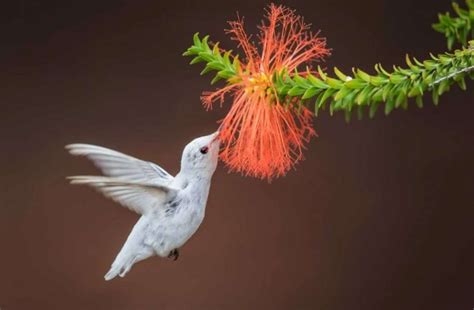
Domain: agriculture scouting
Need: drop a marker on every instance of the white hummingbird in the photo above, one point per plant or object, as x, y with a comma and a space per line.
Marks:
171, 208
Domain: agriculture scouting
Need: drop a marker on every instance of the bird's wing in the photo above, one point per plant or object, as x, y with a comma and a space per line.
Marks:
137, 196
118, 165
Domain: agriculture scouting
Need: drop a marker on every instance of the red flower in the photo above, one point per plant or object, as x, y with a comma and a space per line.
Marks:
262, 136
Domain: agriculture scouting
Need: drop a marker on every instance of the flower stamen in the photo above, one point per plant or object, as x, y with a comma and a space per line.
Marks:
260, 136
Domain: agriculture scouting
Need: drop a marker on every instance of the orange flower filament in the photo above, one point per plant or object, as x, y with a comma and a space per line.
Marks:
262, 136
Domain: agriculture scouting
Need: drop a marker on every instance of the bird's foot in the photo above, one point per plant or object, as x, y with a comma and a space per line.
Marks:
174, 254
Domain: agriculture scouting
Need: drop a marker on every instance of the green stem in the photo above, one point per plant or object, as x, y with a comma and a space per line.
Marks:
452, 75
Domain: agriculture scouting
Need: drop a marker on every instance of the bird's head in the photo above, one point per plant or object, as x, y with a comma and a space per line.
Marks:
200, 156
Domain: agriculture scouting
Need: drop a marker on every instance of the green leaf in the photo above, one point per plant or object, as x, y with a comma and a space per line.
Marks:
450, 42
317, 82
216, 51
196, 60
373, 109
300, 81
204, 44
311, 92
344, 91
208, 57
386, 91
355, 84
327, 93
196, 39
225, 74
377, 95
443, 86
284, 90
227, 58
419, 101
415, 91
340, 75
444, 59
389, 105
236, 64
430, 64
397, 79
331, 107
435, 97
411, 65
381, 70
206, 70
401, 99
462, 83
215, 65
364, 76
215, 79
378, 81
363, 96
347, 116
322, 75
360, 113
296, 91
333, 83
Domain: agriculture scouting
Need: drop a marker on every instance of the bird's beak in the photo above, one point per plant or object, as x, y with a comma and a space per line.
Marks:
215, 136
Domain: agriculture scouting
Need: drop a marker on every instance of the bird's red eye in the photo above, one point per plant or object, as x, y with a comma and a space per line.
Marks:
204, 150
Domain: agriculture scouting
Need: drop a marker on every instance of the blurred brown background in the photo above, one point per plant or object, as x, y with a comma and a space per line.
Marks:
379, 216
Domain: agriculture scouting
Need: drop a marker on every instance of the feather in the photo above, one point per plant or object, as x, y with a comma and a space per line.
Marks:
137, 196
125, 167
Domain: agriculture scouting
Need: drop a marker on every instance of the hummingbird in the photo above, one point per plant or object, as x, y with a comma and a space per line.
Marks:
171, 208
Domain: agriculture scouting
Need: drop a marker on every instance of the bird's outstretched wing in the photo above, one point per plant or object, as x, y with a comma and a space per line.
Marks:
117, 165
137, 196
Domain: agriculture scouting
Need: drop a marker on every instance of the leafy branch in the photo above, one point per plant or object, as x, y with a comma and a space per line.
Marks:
226, 68
457, 29
362, 90
359, 91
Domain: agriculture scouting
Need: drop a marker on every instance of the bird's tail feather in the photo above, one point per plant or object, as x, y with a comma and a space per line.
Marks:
120, 268
132, 252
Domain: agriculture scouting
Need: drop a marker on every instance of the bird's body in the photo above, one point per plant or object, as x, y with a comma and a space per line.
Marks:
171, 208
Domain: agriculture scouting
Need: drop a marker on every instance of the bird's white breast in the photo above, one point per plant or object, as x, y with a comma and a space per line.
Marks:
170, 227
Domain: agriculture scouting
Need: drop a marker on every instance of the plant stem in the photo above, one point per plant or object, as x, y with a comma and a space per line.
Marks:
452, 75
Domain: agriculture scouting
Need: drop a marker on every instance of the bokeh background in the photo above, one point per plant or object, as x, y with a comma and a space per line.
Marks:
378, 216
